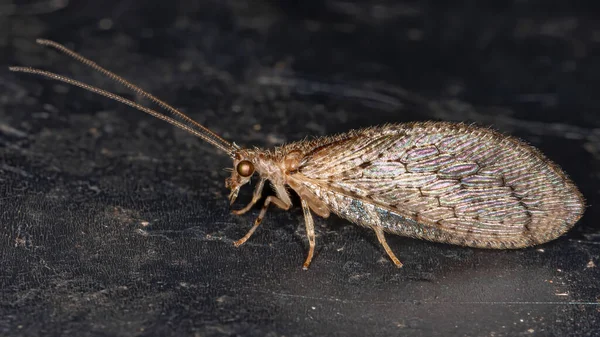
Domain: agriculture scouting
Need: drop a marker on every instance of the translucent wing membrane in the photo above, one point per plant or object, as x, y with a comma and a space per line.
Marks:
446, 183
178, 118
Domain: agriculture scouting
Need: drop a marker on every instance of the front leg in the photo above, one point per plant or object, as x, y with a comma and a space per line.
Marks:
255, 196
270, 199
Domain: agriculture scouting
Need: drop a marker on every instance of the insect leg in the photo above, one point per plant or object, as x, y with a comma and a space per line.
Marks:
310, 233
388, 250
270, 199
256, 195
314, 203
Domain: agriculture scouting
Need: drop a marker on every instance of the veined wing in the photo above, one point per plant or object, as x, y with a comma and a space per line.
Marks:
461, 180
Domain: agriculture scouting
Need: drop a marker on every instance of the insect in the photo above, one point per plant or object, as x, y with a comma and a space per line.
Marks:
439, 181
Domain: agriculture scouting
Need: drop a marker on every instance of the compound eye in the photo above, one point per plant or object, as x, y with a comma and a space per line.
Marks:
245, 168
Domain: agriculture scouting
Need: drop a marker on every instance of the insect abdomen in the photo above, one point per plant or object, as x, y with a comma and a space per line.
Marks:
470, 234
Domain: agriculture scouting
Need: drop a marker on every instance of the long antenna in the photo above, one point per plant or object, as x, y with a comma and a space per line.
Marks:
184, 122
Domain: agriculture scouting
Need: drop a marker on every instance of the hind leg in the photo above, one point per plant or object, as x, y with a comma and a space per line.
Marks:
388, 250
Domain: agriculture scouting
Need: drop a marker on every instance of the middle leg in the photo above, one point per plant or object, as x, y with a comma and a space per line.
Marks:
270, 199
310, 233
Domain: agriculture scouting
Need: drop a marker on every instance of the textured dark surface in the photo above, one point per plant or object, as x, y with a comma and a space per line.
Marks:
113, 223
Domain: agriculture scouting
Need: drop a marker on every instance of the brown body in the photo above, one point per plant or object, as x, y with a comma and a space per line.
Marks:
437, 181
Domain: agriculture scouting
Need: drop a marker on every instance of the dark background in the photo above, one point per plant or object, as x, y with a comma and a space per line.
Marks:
113, 223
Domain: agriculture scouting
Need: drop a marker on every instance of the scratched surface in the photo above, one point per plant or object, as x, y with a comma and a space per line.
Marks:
113, 223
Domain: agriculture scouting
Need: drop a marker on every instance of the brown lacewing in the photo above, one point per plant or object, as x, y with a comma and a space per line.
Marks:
438, 181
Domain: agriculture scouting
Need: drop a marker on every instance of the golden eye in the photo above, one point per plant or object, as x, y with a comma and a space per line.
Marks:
245, 168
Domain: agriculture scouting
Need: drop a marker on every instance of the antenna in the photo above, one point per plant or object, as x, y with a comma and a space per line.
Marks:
181, 120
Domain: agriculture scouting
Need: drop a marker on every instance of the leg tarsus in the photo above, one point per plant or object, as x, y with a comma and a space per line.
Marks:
388, 250
310, 233
261, 215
